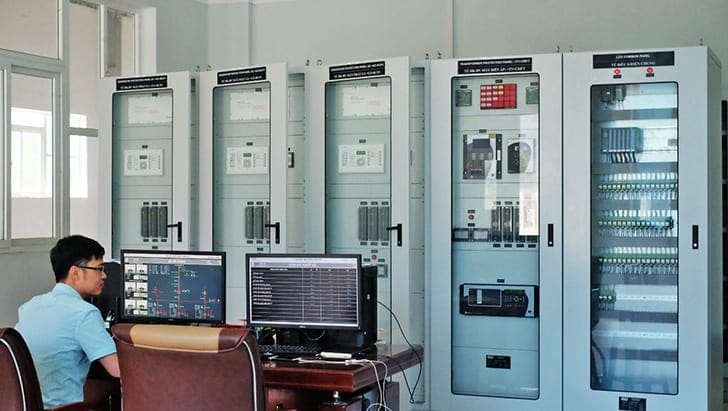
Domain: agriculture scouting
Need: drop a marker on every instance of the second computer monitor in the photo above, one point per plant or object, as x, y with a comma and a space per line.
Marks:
313, 291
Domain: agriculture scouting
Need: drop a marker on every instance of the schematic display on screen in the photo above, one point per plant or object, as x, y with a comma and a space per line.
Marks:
186, 287
304, 291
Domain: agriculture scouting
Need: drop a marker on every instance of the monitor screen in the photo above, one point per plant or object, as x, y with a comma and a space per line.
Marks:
173, 286
304, 291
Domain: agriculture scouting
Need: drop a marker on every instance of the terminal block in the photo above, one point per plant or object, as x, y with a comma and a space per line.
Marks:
153, 218
257, 215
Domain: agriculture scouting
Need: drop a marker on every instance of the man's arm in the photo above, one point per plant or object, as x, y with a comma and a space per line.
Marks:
111, 364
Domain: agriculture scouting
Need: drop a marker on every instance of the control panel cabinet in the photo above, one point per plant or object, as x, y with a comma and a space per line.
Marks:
642, 256
148, 135
246, 160
495, 234
365, 180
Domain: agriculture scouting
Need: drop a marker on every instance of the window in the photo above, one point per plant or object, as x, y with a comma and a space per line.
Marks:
33, 144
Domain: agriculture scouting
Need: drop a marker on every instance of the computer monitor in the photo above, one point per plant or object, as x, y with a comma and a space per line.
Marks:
173, 286
313, 291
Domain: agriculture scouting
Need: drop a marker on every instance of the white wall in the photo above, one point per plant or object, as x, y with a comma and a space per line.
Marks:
347, 30
23, 275
224, 50
181, 34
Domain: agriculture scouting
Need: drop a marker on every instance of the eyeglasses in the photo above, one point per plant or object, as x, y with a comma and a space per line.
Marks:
99, 269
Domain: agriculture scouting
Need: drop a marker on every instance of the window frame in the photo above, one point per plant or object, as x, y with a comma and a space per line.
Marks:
42, 67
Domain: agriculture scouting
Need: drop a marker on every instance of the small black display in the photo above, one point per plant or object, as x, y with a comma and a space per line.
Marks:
488, 298
632, 404
498, 361
499, 300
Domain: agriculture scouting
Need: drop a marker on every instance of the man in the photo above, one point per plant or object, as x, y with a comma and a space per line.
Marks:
64, 332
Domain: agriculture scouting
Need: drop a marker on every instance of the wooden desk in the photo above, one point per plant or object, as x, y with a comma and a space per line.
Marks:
305, 386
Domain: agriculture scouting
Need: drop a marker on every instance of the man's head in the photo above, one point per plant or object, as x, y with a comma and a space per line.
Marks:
78, 262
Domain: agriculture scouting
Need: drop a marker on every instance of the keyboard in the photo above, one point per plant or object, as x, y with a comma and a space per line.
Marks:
288, 350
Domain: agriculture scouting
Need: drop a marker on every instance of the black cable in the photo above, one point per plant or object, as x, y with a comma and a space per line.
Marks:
419, 359
601, 355
411, 392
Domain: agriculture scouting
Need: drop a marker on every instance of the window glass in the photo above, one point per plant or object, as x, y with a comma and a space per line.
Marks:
32, 142
16, 17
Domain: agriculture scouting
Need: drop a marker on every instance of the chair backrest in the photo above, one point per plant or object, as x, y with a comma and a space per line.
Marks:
173, 367
19, 388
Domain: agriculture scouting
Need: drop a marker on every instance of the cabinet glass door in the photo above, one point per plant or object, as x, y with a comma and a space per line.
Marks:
241, 179
142, 182
495, 236
634, 247
358, 179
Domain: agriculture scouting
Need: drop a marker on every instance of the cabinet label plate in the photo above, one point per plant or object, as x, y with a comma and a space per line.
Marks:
627, 60
511, 65
350, 71
242, 75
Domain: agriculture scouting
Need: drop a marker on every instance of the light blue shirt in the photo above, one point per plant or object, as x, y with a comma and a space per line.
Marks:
64, 334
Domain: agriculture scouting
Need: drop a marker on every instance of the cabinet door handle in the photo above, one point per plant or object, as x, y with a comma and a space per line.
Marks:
550, 235
397, 227
277, 226
179, 230
695, 237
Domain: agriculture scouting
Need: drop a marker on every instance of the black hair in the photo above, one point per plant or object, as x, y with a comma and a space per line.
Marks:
72, 250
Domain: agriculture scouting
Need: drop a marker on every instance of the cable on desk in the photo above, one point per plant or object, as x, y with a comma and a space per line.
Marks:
381, 382
382, 403
419, 370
